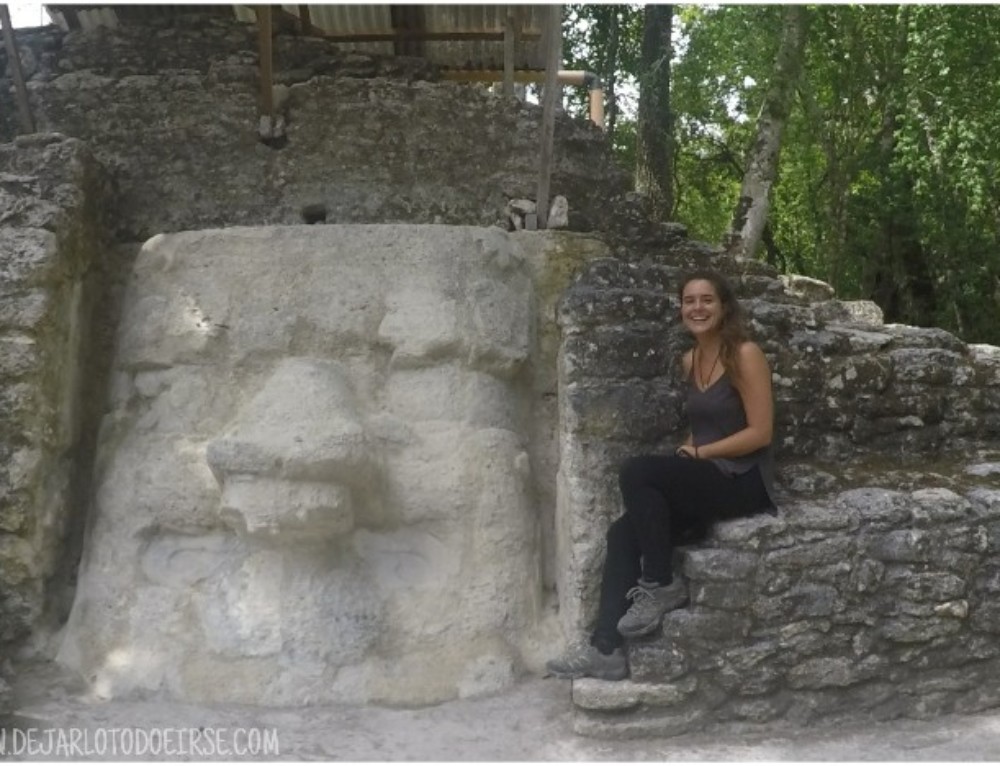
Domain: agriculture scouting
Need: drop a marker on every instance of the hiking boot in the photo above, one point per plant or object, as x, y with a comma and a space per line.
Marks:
649, 603
588, 662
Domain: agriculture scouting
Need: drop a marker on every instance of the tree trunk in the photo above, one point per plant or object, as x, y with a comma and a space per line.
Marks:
654, 131
610, 73
752, 208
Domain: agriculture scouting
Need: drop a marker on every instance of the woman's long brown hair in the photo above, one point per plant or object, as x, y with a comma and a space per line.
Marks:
732, 328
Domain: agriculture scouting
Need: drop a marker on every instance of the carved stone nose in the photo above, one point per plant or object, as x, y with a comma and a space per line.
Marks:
287, 465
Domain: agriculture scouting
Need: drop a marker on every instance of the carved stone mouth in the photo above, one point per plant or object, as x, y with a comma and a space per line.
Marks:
286, 466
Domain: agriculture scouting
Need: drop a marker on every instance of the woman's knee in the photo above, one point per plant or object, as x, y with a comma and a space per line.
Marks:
620, 531
635, 471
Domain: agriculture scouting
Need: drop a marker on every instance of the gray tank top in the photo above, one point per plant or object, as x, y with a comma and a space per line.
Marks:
717, 412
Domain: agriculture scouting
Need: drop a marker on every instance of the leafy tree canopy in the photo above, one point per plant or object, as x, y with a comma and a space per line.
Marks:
887, 183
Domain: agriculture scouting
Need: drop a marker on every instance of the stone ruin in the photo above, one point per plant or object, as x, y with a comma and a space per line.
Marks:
251, 460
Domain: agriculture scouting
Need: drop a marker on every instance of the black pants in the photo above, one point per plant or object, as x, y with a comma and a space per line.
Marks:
668, 500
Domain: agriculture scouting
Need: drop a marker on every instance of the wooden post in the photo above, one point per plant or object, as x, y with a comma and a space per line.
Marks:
305, 20
553, 58
266, 69
509, 50
14, 62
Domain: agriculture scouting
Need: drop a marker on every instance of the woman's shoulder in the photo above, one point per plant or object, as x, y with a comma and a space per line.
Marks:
687, 359
751, 359
748, 349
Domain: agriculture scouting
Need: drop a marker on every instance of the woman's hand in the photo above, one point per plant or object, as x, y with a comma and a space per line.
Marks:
686, 450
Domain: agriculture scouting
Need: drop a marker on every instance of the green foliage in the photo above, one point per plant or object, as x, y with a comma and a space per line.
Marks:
605, 39
888, 185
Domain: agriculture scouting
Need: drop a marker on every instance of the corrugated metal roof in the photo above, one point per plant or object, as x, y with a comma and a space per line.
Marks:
450, 36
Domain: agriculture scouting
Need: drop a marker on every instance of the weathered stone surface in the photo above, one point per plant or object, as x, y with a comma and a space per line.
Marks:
719, 565
302, 560
6, 696
592, 694
833, 671
50, 242
357, 468
868, 553
171, 106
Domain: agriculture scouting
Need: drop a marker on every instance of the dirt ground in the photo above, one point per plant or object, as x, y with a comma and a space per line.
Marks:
530, 722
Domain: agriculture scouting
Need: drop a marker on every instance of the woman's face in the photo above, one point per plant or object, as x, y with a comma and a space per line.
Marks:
701, 309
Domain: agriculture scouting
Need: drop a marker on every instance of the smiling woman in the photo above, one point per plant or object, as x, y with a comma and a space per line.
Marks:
723, 469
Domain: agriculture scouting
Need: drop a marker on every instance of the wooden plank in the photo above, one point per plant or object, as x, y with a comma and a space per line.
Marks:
14, 59
519, 76
553, 57
72, 18
509, 49
305, 20
412, 34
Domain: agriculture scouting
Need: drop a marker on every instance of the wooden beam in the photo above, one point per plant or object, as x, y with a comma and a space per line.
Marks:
72, 18
509, 49
305, 20
566, 77
412, 34
266, 67
553, 57
410, 21
14, 64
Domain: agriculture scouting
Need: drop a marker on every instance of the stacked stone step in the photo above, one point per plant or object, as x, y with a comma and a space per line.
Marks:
871, 601
868, 604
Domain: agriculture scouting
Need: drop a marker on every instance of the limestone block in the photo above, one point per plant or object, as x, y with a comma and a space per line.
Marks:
408, 558
186, 560
499, 341
692, 626
30, 256
420, 325
832, 671
647, 724
906, 629
451, 392
731, 596
594, 307
303, 424
719, 565
877, 505
23, 311
646, 411
937, 505
809, 555
558, 213
594, 694
800, 602
167, 331
903, 545
285, 510
300, 499
183, 400
158, 481
808, 289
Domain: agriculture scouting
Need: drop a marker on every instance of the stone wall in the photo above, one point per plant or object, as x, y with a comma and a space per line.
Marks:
871, 594
53, 249
170, 109
321, 473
